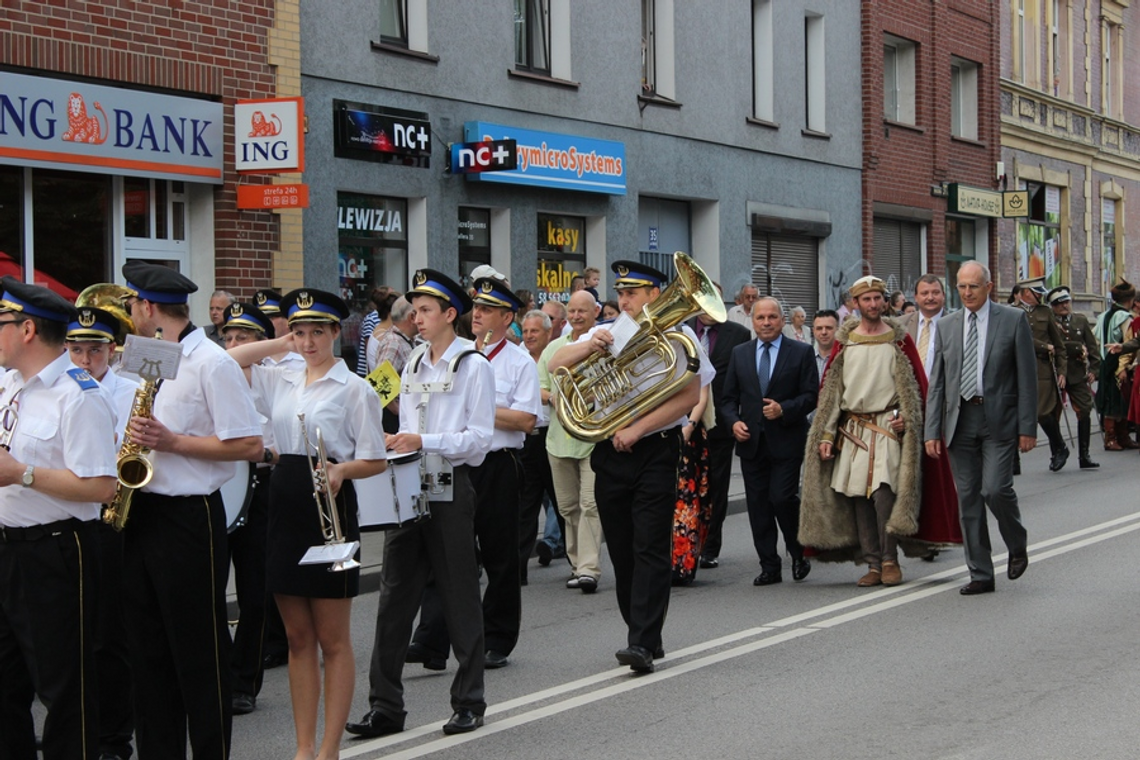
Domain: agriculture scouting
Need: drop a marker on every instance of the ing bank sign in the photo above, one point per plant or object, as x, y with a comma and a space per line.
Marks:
55, 123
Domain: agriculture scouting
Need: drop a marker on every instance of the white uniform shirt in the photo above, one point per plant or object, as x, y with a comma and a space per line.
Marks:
740, 316
516, 388
341, 404
460, 423
706, 373
291, 359
122, 390
61, 426
209, 397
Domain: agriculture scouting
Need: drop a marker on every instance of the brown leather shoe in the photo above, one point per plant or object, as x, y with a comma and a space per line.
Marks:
874, 577
977, 587
892, 573
1109, 430
1017, 565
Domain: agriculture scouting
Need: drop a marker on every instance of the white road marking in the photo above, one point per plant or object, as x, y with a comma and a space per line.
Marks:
875, 602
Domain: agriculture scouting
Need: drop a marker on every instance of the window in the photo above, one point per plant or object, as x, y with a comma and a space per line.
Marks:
815, 80
71, 229
1108, 231
474, 237
561, 255
657, 78
1111, 71
1019, 40
762, 75
964, 99
898, 80
393, 22
961, 246
532, 35
1058, 32
1039, 236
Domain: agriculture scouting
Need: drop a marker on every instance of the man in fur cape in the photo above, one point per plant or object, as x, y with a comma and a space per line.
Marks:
864, 467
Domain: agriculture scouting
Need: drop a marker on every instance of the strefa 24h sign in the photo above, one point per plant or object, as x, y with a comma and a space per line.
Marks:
59, 124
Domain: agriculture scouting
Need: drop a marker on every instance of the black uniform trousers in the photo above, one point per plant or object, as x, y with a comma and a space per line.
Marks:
48, 588
771, 491
720, 477
636, 493
496, 484
440, 547
175, 564
537, 482
247, 552
112, 656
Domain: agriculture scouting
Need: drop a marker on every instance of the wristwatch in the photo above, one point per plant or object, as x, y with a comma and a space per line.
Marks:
29, 476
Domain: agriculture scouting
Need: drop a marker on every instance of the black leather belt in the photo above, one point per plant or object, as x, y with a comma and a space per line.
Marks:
975, 400
36, 532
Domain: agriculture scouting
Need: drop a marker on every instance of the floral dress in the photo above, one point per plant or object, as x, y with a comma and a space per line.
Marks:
693, 511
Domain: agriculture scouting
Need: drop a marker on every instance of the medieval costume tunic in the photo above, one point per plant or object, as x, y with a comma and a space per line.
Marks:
869, 452
886, 374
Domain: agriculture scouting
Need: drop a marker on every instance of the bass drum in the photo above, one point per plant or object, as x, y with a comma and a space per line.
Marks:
237, 493
392, 498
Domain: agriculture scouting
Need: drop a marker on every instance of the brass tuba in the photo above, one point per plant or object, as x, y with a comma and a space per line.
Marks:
135, 470
109, 297
603, 393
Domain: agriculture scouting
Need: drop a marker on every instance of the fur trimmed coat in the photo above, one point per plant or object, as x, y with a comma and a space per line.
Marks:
827, 525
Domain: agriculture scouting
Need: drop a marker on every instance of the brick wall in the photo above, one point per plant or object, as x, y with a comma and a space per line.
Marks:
216, 48
902, 162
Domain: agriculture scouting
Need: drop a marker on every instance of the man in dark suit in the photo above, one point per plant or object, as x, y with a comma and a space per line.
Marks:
718, 340
769, 390
983, 402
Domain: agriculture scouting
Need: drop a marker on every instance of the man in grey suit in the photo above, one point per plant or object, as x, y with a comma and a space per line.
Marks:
983, 402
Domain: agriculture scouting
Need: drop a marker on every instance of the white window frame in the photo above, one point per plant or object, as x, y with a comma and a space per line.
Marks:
658, 50
964, 98
1111, 70
905, 53
815, 73
763, 77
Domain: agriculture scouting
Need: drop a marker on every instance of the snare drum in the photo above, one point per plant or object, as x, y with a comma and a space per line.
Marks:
237, 494
394, 497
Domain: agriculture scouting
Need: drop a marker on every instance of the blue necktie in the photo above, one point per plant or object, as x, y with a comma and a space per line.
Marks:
765, 369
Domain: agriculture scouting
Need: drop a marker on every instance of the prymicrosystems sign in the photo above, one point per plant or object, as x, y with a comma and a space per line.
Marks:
55, 123
550, 159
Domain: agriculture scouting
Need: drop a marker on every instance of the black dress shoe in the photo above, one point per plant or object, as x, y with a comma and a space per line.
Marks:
977, 587
494, 660
639, 659
271, 661
418, 653
658, 653
1017, 565
542, 549
709, 563
375, 723
767, 578
462, 722
1057, 461
800, 568
1088, 464
588, 584
243, 704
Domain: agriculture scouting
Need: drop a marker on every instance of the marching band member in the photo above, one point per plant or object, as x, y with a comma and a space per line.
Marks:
244, 324
90, 344
496, 480
635, 479
174, 552
315, 604
57, 463
457, 424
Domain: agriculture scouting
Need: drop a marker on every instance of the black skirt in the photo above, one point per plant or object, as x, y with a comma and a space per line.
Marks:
295, 525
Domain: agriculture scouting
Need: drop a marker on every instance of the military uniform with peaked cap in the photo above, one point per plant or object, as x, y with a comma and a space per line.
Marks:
1049, 346
60, 424
269, 301
175, 550
1082, 354
496, 483
248, 317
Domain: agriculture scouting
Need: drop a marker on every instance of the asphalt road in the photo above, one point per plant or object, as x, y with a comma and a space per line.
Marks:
1044, 668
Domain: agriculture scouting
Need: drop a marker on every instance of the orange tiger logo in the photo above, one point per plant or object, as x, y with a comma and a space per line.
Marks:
262, 127
80, 126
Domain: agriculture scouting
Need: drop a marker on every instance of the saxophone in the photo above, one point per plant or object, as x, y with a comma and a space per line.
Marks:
133, 468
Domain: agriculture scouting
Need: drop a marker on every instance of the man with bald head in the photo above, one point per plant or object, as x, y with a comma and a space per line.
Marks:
983, 402
570, 462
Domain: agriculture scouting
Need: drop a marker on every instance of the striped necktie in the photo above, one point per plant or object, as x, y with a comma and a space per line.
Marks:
970, 360
924, 343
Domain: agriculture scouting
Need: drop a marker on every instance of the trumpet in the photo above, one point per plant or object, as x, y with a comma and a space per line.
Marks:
134, 468
326, 504
9, 417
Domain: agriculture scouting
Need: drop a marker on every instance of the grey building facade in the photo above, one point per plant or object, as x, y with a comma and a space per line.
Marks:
731, 131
